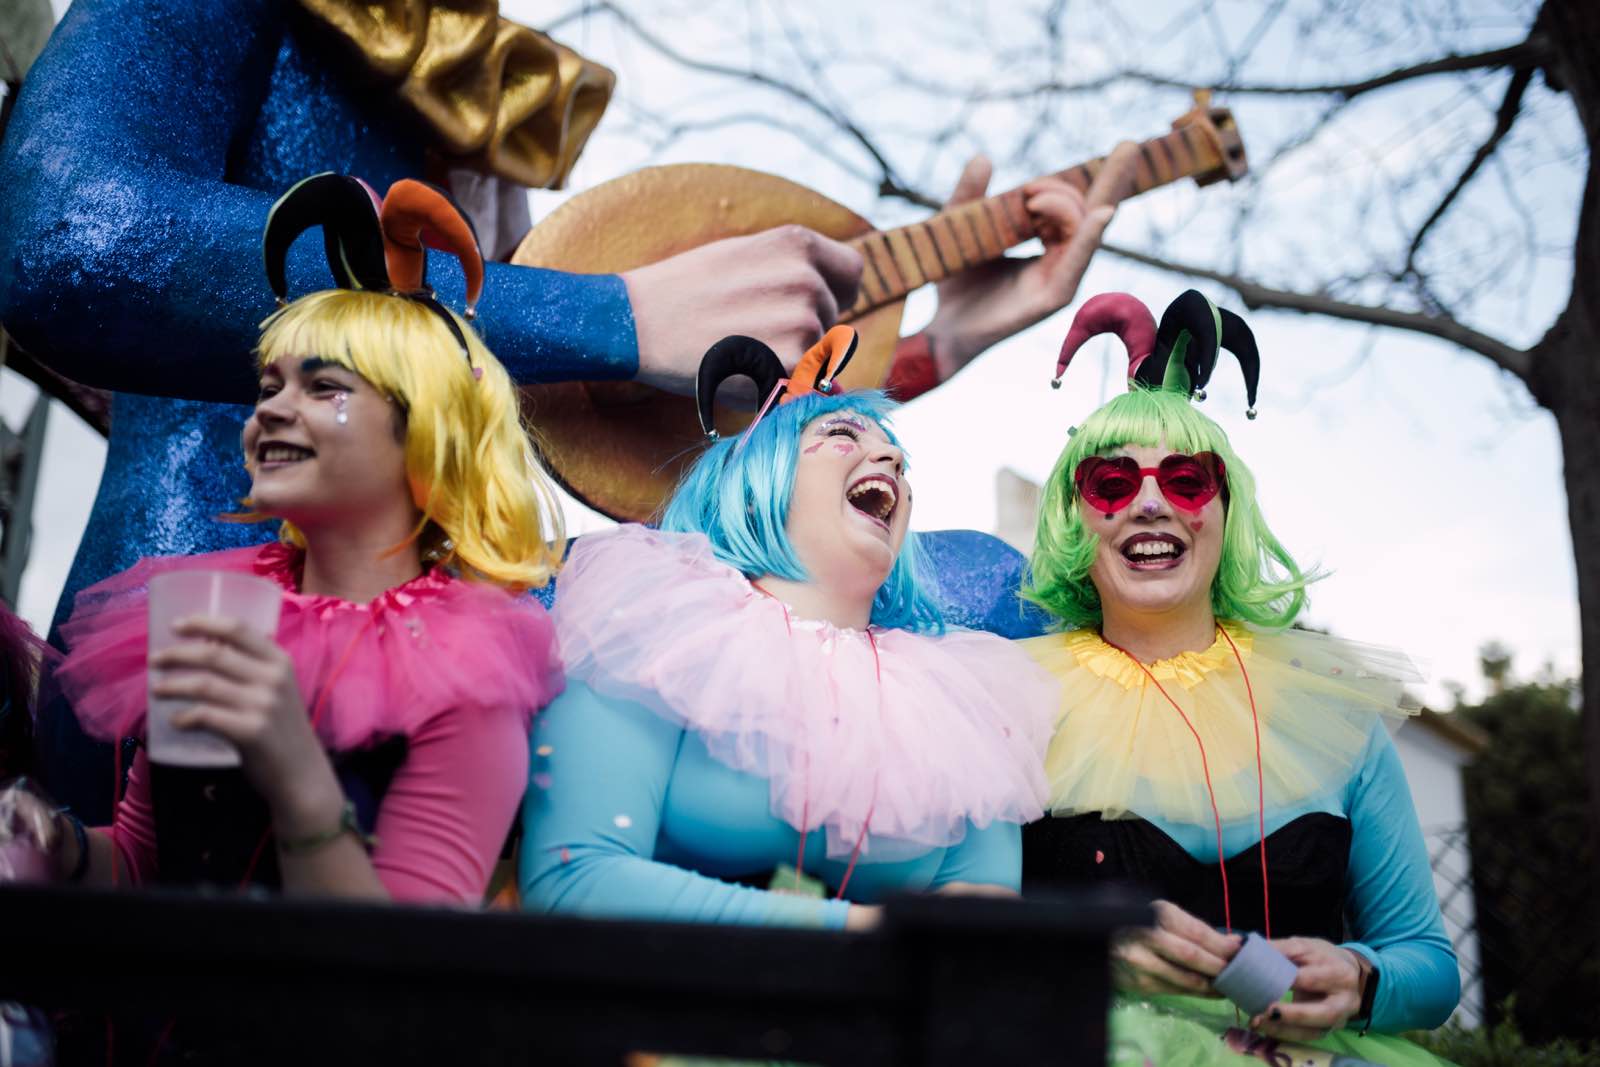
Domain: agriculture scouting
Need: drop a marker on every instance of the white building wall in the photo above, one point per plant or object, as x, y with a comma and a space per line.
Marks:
1433, 765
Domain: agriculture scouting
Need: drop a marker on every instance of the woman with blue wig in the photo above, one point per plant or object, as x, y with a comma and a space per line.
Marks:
765, 684
1235, 768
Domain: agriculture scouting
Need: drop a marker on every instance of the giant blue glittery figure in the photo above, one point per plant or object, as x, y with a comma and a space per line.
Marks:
145, 150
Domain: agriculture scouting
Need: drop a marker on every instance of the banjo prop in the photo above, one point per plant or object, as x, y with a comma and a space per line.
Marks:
620, 447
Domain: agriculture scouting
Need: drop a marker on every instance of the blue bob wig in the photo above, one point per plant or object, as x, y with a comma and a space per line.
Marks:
739, 499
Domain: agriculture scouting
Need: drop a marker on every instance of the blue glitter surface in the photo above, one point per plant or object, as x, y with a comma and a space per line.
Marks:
142, 158
976, 578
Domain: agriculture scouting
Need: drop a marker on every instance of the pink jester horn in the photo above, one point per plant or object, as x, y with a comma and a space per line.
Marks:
1120, 313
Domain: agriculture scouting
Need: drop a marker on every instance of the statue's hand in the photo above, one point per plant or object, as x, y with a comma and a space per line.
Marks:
784, 286
988, 303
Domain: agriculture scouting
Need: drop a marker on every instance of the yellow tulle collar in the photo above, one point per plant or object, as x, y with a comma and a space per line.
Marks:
1186, 668
1121, 747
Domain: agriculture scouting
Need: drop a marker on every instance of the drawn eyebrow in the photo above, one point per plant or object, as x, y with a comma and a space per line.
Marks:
312, 364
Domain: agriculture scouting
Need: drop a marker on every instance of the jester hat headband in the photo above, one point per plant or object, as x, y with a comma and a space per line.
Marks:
1180, 354
376, 244
739, 356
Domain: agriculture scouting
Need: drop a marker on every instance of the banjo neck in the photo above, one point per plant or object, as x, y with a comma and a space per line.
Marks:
1204, 144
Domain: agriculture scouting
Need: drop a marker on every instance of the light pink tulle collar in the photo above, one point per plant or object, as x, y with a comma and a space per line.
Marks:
887, 739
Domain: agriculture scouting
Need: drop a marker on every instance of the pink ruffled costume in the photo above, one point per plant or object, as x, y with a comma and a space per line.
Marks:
710, 735
456, 669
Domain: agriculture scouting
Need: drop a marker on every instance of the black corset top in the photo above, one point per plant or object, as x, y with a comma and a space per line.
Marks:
1306, 863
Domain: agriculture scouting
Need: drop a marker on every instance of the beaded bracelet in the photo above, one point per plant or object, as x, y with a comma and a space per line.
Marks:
348, 824
81, 836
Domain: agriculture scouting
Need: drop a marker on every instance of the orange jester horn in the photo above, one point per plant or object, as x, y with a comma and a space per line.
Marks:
822, 363
416, 214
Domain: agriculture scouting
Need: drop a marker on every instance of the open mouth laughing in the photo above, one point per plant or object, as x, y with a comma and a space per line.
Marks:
874, 496
1153, 551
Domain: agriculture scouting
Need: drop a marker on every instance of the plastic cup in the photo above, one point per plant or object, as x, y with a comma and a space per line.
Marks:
21, 862
226, 594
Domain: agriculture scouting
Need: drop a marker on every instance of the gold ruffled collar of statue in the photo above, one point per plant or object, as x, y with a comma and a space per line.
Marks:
494, 94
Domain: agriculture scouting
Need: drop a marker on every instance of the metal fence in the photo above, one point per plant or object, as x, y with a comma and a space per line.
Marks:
1521, 903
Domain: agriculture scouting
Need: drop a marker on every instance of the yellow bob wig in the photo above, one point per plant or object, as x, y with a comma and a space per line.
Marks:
488, 509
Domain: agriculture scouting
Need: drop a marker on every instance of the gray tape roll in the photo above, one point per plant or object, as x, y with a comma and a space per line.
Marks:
1257, 977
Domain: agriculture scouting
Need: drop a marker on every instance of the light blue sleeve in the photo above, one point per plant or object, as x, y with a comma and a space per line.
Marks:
1391, 905
991, 856
589, 830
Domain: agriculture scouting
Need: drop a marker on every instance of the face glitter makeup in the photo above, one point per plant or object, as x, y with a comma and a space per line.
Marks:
845, 420
341, 404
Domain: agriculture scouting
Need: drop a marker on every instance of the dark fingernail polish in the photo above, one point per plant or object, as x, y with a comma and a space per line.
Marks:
1275, 1014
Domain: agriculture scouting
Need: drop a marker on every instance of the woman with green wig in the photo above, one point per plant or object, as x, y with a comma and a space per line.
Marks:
1235, 768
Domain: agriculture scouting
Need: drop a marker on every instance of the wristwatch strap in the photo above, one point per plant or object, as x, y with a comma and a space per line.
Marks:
1369, 996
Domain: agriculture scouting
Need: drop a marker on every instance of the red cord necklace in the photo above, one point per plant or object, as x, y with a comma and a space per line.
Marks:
805, 805
1261, 801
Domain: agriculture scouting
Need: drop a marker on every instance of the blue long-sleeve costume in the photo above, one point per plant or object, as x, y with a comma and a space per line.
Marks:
629, 815
145, 150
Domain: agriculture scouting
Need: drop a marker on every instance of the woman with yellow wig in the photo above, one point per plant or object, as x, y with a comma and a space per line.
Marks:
381, 736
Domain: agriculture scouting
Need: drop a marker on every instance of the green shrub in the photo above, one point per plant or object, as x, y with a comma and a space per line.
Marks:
1502, 1045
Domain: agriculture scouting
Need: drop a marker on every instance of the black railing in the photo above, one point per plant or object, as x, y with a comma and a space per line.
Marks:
228, 979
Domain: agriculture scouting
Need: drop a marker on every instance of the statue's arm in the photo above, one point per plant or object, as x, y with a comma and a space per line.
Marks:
129, 262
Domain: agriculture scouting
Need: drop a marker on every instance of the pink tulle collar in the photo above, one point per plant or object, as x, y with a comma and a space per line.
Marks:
434, 645
803, 622
285, 564
892, 742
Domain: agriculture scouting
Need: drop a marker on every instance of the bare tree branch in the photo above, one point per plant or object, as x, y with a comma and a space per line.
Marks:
93, 406
1530, 53
669, 131
1504, 119
1256, 295
889, 181
1533, 52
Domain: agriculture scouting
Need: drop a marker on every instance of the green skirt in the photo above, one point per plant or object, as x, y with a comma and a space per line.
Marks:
1196, 1032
